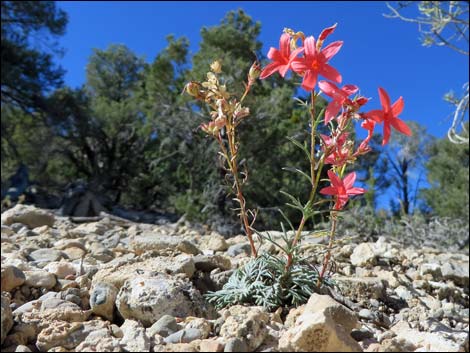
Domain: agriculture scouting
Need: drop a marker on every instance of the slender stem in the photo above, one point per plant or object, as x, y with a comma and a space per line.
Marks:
326, 260
232, 163
314, 181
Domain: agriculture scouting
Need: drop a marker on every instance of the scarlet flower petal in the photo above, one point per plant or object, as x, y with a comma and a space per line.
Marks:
350, 89
333, 108
356, 191
284, 45
384, 100
349, 180
275, 54
310, 48
401, 126
326, 32
269, 70
331, 73
299, 65
334, 179
398, 106
310, 80
330, 50
329, 190
375, 115
386, 133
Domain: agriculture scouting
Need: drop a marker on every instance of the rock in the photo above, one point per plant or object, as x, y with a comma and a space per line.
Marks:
215, 242
28, 215
100, 341
363, 255
184, 336
22, 348
366, 314
149, 241
102, 299
361, 287
324, 326
12, 277
147, 299
236, 249
403, 293
46, 255
118, 274
456, 271
247, 324
431, 268
207, 263
53, 308
65, 334
236, 345
6, 317
433, 342
61, 269
201, 324
134, 337
188, 247
165, 326
40, 279
98, 228
211, 345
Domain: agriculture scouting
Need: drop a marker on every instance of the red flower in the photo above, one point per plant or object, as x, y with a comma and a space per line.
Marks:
369, 125
337, 152
315, 62
339, 95
341, 189
389, 115
282, 58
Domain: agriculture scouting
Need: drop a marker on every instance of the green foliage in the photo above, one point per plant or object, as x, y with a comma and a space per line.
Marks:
448, 168
28, 71
264, 281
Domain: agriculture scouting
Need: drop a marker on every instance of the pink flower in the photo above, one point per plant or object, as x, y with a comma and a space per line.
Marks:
282, 58
389, 115
339, 95
341, 189
337, 152
315, 62
369, 125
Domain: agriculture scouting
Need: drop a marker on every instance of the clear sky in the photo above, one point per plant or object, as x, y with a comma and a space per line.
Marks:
377, 51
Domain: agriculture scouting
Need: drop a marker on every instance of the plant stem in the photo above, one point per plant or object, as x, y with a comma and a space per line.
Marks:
314, 180
232, 163
330, 246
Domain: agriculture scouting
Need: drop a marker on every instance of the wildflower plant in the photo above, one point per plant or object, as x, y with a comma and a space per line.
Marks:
270, 280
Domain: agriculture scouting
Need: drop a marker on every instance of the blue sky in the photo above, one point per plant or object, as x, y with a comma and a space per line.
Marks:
377, 51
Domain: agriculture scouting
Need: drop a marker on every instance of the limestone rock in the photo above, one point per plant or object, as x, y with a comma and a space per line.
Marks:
134, 339
40, 279
29, 215
6, 317
147, 299
324, 326
363, 255
102, 299
61, 269
245, 323
12, 277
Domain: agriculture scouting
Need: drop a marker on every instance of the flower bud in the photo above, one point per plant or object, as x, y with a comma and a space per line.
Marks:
192, 88
216, 67
255, 71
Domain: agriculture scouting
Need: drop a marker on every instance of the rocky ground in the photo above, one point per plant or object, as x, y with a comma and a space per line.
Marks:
115, 285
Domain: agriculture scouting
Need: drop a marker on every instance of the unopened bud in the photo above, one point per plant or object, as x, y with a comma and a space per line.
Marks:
192, 88
216, 67
255, 71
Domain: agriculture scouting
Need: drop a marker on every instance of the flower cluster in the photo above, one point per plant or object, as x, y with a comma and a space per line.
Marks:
311, 60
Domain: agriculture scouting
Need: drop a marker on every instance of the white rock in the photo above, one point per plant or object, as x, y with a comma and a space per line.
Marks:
363, 255
61, 269
29, 215
135, 339
40, 279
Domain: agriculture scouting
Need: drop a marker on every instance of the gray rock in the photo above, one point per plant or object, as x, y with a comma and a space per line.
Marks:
102, 299
366, 314
28, 215
237, 249
12, 277
457, 272
207, 263
6, 317
165, 326
46, 255
363, 255
184, 336
236, 345
40, 279
147, 299
134, 337
361, 287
